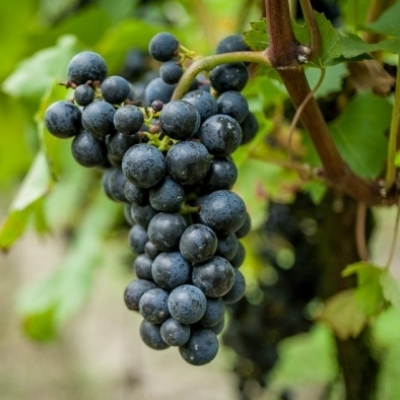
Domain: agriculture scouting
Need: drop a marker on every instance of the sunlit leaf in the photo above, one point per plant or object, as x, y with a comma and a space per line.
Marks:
391, 289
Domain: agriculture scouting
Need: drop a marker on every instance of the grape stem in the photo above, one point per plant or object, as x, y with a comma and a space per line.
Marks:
210, 62
315, 37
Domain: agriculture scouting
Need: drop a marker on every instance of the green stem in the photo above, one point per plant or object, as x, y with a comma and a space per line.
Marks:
315, 36
394, 129
210, 62
394, 240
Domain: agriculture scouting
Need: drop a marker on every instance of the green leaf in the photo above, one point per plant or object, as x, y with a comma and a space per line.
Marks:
344, 315
388, 22
331, 46
257, 36
26, 204
36, 74
316, 190
368, 294
47, 305
391, 289
359, 133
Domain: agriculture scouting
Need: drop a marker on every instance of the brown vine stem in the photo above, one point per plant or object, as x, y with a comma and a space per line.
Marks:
360, 232
284, 52
210, 62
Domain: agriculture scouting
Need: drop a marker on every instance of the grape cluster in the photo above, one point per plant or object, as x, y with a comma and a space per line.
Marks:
170, 163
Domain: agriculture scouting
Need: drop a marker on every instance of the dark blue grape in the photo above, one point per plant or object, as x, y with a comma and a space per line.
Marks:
171, 72
88, 150
150, 334
134, 64
220, 134
201, 348
142, 215
115, 89
127, 215
227, 246
231, 76
217, 329
249, 128
63, 119
215, 277
84, 95
142, 267
198, 243
136, 194
113, 184
144, 165
245, 228
240, 256
87, 66
205, 104
165, 231
151, 250
187, 162
233, 104
214, 314
163, 46
238, 289
174, 333
222, 175
128, 119
157, 89
167, 196
98, 118
118, 144
187, 304
153, 306
170, 270
137, 239
232, 44
134, 292
223, 211
179, 120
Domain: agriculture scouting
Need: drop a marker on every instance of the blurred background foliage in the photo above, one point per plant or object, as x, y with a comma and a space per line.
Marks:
42, 186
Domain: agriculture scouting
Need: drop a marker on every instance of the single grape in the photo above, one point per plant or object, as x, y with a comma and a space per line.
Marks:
134, 64
142, 215
118, 144
205, 104
151, 250
220, 134
232, 44
179, 120
227, 246
170, 270
136, 194
174, 333
115, 89
201, 348
128, 119
144, 165
187, 304
113, 184
187, 162
214, 314
63, 119
171, 72
217, 329
137, 239
98, 118
198, 243
157, 89
223, 211
245, 228
142, 267
88, 150
240, 256
215, 277
167, 196
127, 215
249, 128
163, 46
151, 336
238, 289
165, 230
153, 306
84, 95
86, 66
231, 76
233, 104
222, 175
134, 292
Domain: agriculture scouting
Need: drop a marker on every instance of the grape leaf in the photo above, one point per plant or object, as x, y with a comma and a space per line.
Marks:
359, 133
388, 22
36, 74
368, 294
344, 315
257, 37
48, 304
391, 289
